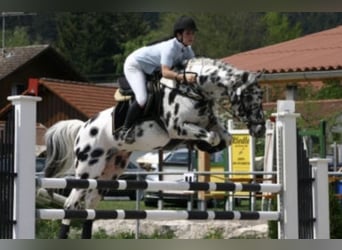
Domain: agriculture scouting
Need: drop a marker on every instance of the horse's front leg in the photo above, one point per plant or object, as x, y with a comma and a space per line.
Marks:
114, 167
64, 229
92, 199
74, 201
194, 132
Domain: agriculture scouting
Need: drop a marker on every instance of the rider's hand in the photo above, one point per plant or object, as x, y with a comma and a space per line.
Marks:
188, 78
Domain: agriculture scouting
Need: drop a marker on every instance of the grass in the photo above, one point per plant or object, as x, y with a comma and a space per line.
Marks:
243, 205
120, 204
46, 229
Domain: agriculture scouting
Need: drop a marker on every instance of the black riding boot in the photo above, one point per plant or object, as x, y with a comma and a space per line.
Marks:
133, 113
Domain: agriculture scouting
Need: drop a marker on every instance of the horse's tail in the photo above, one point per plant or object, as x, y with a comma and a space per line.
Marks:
59, 141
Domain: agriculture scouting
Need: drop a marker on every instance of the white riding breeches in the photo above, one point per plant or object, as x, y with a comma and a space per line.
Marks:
136, 79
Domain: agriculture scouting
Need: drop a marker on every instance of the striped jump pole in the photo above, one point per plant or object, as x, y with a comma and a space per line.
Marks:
59, 183
91, 214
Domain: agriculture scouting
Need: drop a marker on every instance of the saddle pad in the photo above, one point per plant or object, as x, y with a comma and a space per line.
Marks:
168, 83
119, 97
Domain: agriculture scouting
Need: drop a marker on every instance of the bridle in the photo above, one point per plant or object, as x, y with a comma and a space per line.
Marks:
241, 93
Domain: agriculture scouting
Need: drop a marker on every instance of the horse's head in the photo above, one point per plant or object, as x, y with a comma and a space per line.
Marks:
218, 80
246, 101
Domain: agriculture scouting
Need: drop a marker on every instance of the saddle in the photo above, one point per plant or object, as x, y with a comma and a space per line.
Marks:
124, 95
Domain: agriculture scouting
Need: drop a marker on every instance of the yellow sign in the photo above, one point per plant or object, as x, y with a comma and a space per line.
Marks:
241, 155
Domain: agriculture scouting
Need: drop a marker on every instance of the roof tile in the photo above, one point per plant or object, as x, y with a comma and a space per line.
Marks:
15, 57
87, 98
318, 51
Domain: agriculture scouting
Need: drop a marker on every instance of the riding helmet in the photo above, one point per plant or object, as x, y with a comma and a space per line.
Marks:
183, 23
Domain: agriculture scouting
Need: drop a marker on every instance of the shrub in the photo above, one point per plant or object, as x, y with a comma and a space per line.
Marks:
335, 210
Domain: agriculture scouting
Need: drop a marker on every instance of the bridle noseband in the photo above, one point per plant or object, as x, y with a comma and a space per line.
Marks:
241, 93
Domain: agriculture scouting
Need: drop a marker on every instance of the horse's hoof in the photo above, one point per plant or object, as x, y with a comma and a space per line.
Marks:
214, 138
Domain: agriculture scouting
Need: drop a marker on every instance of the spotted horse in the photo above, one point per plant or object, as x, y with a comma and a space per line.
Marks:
187, 114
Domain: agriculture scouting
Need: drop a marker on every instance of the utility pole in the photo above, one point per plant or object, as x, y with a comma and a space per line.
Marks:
6, 14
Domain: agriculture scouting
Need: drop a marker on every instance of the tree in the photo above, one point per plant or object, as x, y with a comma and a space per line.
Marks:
126, 49
230, 33
219, 35
278, 28
136, 27
315, 21
98, 43
89, 40
16, 37
330, 90
43, 28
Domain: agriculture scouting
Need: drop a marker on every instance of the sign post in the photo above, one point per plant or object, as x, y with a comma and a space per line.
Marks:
241, 160
241, 155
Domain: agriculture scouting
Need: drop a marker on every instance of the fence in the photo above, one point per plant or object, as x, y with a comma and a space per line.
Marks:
7, 176
286, 150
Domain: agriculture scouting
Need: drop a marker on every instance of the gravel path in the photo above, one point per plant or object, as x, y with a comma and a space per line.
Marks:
188, 229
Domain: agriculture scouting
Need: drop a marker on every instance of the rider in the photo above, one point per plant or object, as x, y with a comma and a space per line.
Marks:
161, 56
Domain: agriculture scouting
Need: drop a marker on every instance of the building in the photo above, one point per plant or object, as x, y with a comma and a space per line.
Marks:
18, 64
299, 63
66, 94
